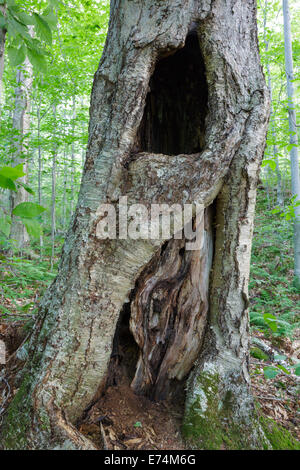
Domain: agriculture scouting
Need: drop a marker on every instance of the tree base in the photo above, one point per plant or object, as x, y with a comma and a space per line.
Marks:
220, 413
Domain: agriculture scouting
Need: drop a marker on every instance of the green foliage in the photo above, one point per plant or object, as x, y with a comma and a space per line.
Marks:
288, 212
275, 307
20, 281
8, 175
28, 30
28, 210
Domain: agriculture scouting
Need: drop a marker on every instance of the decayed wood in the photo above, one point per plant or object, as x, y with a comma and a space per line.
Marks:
169, 311
71, 346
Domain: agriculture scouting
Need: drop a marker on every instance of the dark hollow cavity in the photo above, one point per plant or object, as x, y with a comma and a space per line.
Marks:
176, 105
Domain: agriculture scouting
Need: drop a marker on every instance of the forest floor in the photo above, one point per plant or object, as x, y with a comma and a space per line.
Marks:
124, 421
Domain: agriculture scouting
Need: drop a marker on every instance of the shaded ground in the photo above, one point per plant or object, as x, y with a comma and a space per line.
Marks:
279, 398
127, 421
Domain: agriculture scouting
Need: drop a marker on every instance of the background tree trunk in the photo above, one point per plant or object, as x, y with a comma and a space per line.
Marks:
21, 124
293, 136
2, 50
158, 135
279, 195
53, 189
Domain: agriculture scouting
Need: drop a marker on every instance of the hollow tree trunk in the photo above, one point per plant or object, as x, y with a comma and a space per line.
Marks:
179, 115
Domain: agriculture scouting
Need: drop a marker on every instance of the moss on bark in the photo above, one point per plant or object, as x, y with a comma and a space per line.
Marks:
213, 419
279, 437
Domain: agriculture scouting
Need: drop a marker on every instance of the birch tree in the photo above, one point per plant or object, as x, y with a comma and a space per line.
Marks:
179, 114
293, 136
21, 125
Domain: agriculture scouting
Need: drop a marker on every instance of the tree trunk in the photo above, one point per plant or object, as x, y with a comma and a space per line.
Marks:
293, 137
40, 168
73, 157
21, 124
279, 196
2, 50
53, 189
179, 114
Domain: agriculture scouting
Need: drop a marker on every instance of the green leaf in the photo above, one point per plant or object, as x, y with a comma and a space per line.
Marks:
2, 21
42, 28
284, 369
54, 3
12, 172
37, 59
7, 183
138, 424
33, 227
271, 321
24, 18
16, 55
271, 163
26, 187
270, 372
290, 146
279, 357
28, 210
5, 224
297, 369
15, 28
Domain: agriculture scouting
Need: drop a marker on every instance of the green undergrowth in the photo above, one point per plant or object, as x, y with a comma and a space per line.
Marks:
274, 301
22, 282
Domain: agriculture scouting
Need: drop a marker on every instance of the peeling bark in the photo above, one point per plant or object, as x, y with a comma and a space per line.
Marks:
70, 349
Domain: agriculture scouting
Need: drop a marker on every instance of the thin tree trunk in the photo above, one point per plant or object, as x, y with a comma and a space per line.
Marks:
279, 197
40, 168
83, 131
73, 158
64, 224
2, 50
293, 136
21, 124
53, 192
179, 115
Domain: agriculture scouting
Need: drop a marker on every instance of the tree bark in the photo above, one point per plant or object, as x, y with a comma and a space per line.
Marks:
53, 189
279, 196
2, 51
294, 158
21, 124
186, 318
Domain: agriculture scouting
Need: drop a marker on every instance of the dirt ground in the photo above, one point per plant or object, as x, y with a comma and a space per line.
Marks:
124, 420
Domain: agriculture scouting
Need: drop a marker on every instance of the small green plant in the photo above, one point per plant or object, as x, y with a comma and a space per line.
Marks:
27, 212
138, 424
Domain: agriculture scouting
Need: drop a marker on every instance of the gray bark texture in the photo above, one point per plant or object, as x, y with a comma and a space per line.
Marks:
279, 196
21, 124
294, 158
2, 50
188, 309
